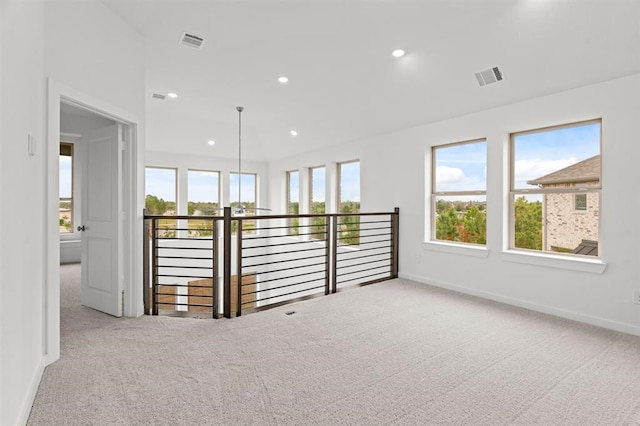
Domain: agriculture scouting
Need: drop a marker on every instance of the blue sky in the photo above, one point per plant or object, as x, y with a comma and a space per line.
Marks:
248, 187
538, 154
350, 181
161, 183
463, 167
294, 186
203, 186
65, 177
318, 182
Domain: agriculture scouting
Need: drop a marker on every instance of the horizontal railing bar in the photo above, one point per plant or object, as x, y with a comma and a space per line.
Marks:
363, 270
361, 250
185, 304
361, 230
283, 261
365, 242
184, 267
275, 245
283, 252
183, 286
184, 248
359, 278
360, 234
281, 216
360, 222
284, 236
362, 257
282, 295
284, 269
309, 225
181, 239
281, 286
180, 276
364, 263
289, 276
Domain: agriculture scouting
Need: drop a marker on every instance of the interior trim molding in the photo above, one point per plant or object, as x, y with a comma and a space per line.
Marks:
545, 309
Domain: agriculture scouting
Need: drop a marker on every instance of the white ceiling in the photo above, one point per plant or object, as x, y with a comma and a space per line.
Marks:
344, 84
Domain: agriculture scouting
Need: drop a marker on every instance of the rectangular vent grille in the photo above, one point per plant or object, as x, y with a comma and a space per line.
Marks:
490, 76
191, 40
158, 96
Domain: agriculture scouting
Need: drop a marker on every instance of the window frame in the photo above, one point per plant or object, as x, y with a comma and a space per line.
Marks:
435, 194
514, 193
292, 223
175, 185
249, 212
72, 233
218, 192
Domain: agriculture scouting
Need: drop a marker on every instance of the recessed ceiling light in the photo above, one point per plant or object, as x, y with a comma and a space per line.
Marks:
294, 133
172, 95
283, 79
211, 142
398, 53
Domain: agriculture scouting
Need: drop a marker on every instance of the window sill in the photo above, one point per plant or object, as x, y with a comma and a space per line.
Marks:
461, 249
593, 266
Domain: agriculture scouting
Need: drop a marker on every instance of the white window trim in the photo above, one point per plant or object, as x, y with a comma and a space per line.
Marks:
469, 249
455, 247
568, 261
559, 261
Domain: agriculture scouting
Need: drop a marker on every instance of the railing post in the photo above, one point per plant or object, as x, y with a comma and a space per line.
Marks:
333, 229
239, 271
327, 262
215, 261
395, 235
154, 266
146, 239
227, 262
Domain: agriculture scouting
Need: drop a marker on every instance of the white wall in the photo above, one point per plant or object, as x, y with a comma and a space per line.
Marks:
393, 173
84, 46
22, 198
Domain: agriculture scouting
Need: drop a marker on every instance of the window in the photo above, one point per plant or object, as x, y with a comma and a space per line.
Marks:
317, 191
66, 204
244, 193
349, 202
555, 188
160, 197
243, 190
459, 192
160, 191
580, 202
203, 192
293, 200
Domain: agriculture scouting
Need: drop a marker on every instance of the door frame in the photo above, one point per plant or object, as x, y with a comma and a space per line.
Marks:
133, 181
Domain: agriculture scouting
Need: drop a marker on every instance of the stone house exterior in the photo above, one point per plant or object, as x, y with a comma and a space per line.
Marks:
571, 219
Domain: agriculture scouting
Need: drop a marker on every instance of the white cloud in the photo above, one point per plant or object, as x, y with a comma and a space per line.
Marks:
449, 175
533, 168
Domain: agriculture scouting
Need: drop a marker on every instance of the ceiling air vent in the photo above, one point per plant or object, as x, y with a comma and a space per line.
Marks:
158, 96
490, 76
191, 40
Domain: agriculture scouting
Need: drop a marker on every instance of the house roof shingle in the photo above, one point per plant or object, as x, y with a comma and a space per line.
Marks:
584, 171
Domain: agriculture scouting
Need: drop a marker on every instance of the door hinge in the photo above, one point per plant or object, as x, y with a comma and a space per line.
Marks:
122, 302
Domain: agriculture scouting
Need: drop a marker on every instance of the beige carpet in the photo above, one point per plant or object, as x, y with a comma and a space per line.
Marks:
391, 353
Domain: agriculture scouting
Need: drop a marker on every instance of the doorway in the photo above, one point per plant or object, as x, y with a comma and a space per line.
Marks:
72, 112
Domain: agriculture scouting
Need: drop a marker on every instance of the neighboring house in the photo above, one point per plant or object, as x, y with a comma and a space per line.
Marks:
570, 219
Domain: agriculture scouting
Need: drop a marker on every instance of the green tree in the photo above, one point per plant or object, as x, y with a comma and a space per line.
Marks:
528, 224
475, 226
155, 205
442, 206
447, 225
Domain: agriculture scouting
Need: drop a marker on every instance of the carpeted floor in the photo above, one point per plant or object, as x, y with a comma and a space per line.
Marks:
391, 353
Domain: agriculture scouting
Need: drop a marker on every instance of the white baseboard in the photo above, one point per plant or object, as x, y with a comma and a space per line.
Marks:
25, 410
563, 313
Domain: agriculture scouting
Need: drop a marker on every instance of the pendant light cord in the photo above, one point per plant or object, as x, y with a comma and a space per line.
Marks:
240, 109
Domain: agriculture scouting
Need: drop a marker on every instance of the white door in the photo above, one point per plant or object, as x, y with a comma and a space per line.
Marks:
101, 203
